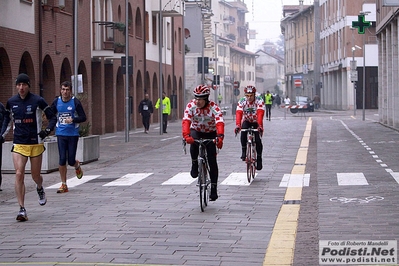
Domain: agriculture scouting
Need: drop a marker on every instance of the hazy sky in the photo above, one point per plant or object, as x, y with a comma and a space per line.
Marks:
264, 16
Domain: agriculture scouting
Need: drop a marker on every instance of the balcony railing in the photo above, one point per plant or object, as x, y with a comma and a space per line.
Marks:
113, 36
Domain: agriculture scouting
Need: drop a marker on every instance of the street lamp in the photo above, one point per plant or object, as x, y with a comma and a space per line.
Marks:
354, 76
364, 13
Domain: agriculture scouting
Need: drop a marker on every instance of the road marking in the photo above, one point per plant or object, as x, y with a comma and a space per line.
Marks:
127, 180
237, 179
351, 179
395, 176
183, 178
295, 180
73, 182
280, 250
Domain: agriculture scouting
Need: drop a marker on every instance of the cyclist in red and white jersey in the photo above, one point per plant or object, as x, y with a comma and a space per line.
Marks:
204, 119
249, 113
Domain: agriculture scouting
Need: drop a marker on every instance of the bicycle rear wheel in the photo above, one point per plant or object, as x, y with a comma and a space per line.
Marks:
202, 186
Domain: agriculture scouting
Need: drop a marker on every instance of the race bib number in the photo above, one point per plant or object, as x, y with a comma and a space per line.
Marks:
63, 117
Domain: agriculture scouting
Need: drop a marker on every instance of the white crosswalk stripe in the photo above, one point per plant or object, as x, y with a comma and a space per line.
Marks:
295, 180
351, 179
73, 182
237, 179
183, 178
127, 180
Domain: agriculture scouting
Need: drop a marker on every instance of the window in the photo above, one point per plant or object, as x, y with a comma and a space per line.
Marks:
154, 29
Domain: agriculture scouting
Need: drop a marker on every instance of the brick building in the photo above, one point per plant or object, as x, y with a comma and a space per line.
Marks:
37, 38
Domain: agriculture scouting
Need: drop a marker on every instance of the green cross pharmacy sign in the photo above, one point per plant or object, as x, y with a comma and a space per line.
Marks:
361, 24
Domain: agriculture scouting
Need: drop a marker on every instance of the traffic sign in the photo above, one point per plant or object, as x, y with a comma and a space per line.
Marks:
298, 83
236, 84
236, 92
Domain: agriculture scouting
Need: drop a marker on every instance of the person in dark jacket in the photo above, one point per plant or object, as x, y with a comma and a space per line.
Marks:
25, 110
146, 109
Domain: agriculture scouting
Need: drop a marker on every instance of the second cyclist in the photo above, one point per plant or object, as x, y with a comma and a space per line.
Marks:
249, 113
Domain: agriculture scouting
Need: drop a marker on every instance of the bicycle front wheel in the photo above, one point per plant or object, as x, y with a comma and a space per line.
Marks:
253, 164
202, 186
249, 162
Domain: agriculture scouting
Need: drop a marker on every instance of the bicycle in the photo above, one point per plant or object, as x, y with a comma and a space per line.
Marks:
204, 181
251, 153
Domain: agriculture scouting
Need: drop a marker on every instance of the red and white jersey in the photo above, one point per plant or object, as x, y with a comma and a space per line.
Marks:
203, 119
250, 109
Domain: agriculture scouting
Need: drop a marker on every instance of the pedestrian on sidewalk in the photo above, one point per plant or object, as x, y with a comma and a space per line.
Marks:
316, 100
269, 102
25, 111
166, 109
146, 109
69, 113
204, 119
2, 139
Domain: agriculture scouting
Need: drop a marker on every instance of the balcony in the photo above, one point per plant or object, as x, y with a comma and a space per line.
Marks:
110, 36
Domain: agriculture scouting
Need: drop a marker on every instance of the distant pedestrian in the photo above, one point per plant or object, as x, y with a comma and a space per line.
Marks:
146, 109
278, 100
69, 113
25, 111
287, 100
269, 102
166, 109
316, 100
220, 98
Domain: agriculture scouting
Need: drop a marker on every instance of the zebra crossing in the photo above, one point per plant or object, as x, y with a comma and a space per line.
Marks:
233, 179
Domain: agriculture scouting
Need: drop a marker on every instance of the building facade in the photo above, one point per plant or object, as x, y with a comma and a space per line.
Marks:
218, 32
388, 71
298, 28
270, 73
48, 54
320, 41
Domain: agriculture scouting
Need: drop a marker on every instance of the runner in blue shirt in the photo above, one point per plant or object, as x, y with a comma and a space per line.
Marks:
69, 113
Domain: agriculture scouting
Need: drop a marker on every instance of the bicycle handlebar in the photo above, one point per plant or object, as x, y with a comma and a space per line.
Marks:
249, 129
200, 141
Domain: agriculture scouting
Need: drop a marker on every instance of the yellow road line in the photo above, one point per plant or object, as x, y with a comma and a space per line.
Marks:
280, 250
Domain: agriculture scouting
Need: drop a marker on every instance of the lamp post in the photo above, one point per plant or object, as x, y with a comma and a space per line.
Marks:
354, 76
353, 69
216, 63
364, 13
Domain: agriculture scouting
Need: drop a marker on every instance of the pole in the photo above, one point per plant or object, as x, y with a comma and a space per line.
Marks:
160, 68
364, 78
216, 66
127, 117
354, 82
75, 47
202, 49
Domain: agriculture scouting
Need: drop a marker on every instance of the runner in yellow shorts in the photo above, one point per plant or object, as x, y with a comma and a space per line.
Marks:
28, 150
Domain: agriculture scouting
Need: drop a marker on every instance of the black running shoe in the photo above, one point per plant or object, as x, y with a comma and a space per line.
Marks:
214, 193
259, 163
194, 169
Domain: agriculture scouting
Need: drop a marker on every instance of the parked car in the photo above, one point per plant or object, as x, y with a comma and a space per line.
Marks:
303, 100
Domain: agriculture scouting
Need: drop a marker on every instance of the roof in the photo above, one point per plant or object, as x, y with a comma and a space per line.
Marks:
241, 50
